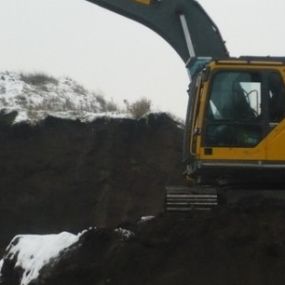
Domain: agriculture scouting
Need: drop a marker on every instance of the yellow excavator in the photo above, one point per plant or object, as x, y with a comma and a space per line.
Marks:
235, 129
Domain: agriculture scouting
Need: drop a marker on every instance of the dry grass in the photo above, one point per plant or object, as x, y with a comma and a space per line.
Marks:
139, 108
38, 78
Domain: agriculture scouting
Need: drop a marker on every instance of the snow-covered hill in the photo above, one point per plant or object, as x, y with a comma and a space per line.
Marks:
35, 96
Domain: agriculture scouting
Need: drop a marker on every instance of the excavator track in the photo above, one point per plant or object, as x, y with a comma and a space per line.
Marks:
206, 198
184, 199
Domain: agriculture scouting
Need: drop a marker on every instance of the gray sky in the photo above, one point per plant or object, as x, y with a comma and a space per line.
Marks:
118, 57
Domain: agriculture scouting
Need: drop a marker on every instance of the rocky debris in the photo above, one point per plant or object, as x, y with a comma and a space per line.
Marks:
63, 175
229, 245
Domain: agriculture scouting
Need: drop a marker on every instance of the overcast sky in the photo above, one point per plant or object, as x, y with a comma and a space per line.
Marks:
118, 57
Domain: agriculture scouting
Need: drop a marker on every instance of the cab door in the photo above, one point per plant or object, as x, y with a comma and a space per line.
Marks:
235, 117
275, 140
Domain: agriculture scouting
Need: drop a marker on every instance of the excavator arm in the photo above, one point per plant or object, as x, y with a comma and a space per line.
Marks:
182, 23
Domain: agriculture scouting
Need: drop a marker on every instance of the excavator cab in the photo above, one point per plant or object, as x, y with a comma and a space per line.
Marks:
235, 120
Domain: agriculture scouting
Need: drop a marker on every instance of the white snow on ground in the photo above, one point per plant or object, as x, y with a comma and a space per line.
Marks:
1, 264
34, 251
82, 116
125, 234
36, 96
146, 219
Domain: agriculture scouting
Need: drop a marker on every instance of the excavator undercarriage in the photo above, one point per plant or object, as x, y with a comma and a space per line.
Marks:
206, 198
183, 198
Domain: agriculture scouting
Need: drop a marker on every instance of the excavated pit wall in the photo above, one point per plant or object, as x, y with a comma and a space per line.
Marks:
66, 175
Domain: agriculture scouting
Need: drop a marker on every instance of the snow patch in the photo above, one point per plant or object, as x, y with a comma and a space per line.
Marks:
145, 219
83, 117
32, 252
125, 234
1, 265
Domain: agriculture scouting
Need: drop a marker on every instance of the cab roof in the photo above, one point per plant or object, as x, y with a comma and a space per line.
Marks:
270, 60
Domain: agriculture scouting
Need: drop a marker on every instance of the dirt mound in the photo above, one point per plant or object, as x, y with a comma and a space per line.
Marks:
64, 175
230, 246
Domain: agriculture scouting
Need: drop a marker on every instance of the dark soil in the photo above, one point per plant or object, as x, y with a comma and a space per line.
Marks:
66, 175
231, 246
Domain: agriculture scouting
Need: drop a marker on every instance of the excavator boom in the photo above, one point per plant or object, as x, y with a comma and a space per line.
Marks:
182, 23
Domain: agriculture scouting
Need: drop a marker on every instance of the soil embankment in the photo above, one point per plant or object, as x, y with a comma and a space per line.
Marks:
64, 175
229, 246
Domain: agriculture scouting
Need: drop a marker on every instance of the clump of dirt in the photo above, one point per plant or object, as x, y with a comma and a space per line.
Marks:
64, 175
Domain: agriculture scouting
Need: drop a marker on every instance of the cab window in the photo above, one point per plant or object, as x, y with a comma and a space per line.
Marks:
235, 109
